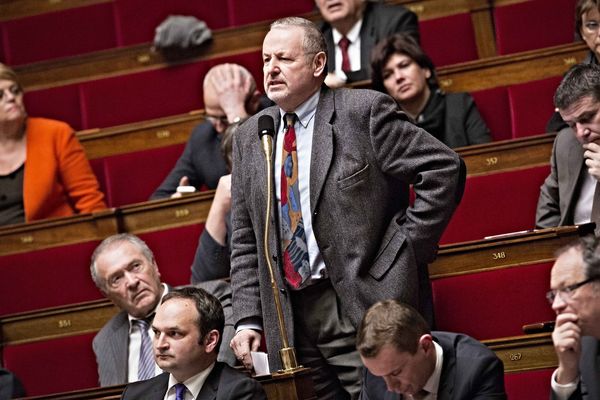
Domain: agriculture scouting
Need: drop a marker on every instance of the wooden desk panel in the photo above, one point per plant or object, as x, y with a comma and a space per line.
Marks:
503, 252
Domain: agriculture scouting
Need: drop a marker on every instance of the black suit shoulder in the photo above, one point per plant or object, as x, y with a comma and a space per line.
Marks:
234, 384
386, 19
151, 389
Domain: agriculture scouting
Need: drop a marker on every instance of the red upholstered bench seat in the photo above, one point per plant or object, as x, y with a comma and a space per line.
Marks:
528, 385
56, 365
449, 40
532, 105
497, 203
493, 304
47, 278
519, 26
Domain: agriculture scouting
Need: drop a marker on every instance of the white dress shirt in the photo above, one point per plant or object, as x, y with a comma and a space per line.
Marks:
433, 383
562, 391
353, 49
193, 385
582, 212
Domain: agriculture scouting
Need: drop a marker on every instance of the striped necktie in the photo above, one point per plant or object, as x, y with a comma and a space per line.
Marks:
146, 364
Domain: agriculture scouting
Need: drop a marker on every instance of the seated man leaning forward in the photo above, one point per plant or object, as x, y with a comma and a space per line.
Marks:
405, 360
575, 297
569, 195
187, 334
230, 95
124, 269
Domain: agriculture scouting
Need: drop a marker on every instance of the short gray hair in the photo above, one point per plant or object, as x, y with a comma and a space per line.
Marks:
313, 42
109, 242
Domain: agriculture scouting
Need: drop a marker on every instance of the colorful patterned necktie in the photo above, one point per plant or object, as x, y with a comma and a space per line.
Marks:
344, 43
180, 390
295, 251
146, 364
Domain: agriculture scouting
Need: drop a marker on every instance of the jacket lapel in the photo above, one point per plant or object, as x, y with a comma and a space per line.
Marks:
118, 349
448, 376
322, 145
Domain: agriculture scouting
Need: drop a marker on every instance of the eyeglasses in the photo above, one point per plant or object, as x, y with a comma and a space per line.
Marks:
567, 292
217, 118
15, 90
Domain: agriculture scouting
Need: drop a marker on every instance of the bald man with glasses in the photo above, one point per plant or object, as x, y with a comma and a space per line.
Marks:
575, 297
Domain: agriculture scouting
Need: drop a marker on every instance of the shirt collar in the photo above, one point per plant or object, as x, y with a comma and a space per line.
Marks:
433, 382
352, 35
164, 292
304, 112
193, 384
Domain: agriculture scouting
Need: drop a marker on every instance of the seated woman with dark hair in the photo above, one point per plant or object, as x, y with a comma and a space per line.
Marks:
43, 169
401, 69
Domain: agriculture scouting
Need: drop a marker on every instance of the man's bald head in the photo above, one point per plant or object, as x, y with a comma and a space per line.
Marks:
229, 92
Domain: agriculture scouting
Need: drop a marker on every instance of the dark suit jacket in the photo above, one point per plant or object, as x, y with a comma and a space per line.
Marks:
470, 371
589, 365
364, 156
201, 161
111, 344
560, 190
379, 21
223, 383
454, 119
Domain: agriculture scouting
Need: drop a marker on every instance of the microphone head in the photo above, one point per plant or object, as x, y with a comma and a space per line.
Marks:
266, 126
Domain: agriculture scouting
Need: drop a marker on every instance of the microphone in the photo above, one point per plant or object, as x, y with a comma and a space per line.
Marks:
266, 131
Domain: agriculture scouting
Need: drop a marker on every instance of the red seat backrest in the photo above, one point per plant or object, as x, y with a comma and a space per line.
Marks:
174, 250
59, 34
47, 278
133, 177
525, 25
141, 96
61, 103
497, 203
493, 304
449, 40
246, 12
532, 105
494, 109
136, 27
528, 385
56, 365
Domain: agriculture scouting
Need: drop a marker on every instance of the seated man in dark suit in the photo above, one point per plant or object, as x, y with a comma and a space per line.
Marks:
357, 26
405, 360
230, 95
575, 297
187, 335
570, 195
124, 269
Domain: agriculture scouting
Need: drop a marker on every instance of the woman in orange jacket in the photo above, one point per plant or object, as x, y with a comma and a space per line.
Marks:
44, 172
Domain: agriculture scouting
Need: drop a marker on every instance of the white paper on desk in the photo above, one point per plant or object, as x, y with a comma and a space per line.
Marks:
260, 361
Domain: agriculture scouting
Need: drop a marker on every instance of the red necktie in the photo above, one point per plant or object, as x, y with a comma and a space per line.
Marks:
344, 43
296, 264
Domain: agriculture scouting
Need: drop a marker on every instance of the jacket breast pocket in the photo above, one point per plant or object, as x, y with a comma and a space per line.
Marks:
354, 178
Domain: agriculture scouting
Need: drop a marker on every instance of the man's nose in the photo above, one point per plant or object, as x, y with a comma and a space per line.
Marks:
558, 305
131, 279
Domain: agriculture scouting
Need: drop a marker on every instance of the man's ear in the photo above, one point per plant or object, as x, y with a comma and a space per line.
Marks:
211, 340
426, 342
319, 63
